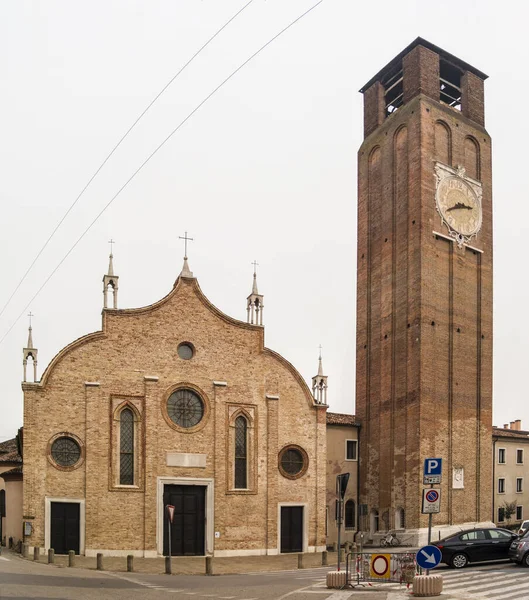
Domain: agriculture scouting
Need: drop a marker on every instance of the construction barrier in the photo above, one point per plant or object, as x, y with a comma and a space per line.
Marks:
397, 567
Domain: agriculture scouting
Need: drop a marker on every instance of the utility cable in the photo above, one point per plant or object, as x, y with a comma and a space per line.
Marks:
151, 156
115, 148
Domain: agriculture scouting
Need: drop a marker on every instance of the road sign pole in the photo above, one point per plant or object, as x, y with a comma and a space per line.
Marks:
339, 531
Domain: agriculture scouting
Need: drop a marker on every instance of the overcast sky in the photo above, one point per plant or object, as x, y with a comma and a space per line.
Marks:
265, 170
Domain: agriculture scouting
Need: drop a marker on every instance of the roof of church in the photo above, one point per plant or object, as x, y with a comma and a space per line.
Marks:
341, 419
510, 433
9, 451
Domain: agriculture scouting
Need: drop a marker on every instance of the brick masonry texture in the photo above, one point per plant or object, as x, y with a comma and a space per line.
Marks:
424, 305
134, 346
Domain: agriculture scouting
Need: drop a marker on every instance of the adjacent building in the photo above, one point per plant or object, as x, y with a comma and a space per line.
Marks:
511, 473
342, 457
10, 492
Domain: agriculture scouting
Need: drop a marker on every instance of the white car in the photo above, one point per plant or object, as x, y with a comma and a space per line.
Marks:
523, 527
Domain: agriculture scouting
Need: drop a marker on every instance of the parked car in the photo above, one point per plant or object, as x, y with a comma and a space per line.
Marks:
475, 545
519, 550
523, 527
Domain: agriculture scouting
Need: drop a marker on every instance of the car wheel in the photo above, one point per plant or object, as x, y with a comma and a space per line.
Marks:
525, 560
459, 561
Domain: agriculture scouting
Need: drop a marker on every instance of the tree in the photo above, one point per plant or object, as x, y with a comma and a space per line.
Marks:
509, 509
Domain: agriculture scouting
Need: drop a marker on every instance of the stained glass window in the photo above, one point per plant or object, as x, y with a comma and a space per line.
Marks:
65, 451
185, 408
241, 453
126, 447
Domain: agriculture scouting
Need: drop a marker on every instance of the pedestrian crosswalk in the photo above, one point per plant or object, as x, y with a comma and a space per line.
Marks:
489, 583
511, 583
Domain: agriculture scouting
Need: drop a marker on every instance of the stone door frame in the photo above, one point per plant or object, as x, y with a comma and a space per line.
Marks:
209, 524
82, 520
305, 537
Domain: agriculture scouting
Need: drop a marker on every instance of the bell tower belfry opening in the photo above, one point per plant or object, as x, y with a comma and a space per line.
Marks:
424, 291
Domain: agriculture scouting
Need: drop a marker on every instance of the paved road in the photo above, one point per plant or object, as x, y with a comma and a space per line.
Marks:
25, 579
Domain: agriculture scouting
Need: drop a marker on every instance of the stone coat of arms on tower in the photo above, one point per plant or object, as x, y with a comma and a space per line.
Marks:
458, 202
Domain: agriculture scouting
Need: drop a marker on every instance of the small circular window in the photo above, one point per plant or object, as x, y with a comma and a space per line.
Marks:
65, 451
185, 408
186, 351
293, 462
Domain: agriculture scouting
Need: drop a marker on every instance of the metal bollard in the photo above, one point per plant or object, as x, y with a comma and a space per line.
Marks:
130, 563
51, 556
71, 558
99, 561
324, 558
209, 565
168, 565
300, 561
36, 553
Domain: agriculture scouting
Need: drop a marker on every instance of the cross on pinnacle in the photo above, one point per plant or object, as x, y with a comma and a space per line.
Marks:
320, 350
255, 265
30, 314
111, 242
186, 239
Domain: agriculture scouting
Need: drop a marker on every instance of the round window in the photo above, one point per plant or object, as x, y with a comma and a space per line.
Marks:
293, 462
65, 451
185, 408
185, 351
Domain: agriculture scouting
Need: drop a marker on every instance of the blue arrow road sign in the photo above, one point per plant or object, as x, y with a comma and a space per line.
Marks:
429, 557
433, 466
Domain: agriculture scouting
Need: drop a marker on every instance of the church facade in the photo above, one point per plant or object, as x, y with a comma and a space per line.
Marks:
174, 410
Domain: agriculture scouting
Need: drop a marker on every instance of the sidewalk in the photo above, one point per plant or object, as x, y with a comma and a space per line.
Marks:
195, 565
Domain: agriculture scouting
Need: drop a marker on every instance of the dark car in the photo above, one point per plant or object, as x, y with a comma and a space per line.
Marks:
475, 545
519, 550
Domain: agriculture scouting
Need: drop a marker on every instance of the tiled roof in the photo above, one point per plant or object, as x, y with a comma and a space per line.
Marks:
341, 419
510, 433
15, 471
9, 452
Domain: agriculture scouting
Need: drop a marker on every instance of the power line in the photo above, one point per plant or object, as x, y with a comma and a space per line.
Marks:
153, 153
115, 148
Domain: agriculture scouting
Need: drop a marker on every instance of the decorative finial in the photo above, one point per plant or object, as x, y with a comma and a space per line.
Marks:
186, 271
30, 352
110, 280
254, 286
30, 330
254, 306
320, 366
110, 258
319, 384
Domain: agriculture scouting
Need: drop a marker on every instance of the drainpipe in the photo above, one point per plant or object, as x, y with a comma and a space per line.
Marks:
357, 486
493, 480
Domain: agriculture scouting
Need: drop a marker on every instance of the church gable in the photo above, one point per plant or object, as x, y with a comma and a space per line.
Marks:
170, 399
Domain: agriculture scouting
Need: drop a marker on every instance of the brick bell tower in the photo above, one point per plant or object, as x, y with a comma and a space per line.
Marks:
424, 292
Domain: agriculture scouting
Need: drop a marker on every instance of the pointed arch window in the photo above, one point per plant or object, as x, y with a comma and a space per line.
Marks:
241, 453
126, 447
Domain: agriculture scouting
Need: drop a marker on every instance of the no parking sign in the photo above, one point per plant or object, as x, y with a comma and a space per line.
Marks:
431, 501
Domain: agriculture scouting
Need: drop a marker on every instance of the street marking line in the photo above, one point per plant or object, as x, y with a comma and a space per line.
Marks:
4, 558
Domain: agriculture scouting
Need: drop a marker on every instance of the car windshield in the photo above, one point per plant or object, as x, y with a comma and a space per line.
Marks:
525, 536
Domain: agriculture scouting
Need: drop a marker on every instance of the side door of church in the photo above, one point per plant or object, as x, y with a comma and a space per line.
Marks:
189, 524
292, 529
65, 527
